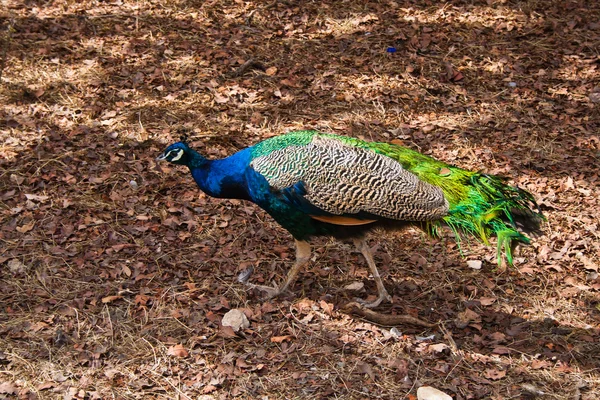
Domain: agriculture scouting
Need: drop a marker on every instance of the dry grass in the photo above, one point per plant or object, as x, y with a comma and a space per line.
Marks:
108, 260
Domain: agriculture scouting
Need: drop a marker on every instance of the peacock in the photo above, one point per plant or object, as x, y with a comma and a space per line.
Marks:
318, 184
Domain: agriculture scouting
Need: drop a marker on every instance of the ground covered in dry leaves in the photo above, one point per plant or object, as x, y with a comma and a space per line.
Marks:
115, 272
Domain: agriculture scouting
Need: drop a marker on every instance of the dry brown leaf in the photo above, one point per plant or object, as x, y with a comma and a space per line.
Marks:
220, 99
15, 266
46, 385
539, 364
109, 299
26, 227
36, 197
327, 307
365, 368
227, 332
141, 299
464, 318
279, 339
355, 286
438, 347
178, 351
8, 388
494, 374
209, 389
110, 373
501, 350
527, 270
431, 393
486, 301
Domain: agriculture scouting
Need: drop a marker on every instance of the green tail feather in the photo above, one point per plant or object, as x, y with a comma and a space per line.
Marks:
493, 208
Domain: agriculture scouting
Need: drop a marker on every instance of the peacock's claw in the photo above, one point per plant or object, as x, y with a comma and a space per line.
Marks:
302, 257
270, 292
372, 304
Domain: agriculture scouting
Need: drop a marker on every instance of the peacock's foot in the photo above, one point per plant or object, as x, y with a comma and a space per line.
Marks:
383, 295
270, 292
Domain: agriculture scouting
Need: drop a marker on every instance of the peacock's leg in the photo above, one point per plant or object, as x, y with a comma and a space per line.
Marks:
363, 247
302, 258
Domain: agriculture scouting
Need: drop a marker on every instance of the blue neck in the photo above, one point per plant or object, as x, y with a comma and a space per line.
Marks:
222, 178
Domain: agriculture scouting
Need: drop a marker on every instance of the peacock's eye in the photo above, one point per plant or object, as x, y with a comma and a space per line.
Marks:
175, 155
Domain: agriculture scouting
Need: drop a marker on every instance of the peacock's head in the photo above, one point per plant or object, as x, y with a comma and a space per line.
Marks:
177, 153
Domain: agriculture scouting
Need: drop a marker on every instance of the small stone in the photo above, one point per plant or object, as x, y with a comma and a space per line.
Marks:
133, 184
236, 319
512, 84
474, 264
430, 393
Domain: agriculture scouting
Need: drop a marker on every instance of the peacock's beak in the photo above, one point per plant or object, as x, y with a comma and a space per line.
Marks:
162, 156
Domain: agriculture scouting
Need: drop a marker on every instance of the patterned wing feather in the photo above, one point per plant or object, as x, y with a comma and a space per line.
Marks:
342, 179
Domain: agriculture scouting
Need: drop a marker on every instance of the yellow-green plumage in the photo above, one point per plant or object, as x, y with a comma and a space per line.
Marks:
480, 204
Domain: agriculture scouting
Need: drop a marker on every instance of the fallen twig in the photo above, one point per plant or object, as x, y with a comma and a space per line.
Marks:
384, 319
